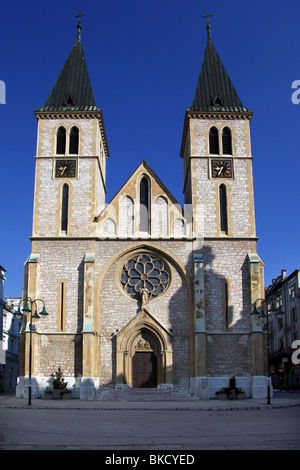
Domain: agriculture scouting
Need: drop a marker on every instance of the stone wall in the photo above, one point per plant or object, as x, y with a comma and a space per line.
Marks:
240, 136
89, 136
62, 261
203, 190
86, 189
171, 310
227, 261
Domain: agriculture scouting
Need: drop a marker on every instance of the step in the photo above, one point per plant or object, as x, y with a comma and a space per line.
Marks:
144, 394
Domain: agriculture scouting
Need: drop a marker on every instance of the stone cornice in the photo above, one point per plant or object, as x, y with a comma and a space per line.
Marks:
68, 114
219, 115
138, 239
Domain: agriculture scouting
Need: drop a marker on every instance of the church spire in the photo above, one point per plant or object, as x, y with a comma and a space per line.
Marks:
72, 90
215, 91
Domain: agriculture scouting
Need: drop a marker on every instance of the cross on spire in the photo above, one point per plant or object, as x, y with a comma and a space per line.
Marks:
208, 25
79, 16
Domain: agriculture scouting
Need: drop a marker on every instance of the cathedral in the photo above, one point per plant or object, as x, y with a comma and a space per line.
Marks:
143, 292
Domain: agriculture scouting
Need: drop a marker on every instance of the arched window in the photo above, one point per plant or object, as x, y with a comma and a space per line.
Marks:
214, 141
65, 208
223, 208
179, 228
144, 205
161, 217
61, 141
226, 141
109, 227
74, 141
126, 216
226, 305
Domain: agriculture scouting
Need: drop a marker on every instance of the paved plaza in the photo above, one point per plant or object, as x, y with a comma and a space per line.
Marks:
150, 426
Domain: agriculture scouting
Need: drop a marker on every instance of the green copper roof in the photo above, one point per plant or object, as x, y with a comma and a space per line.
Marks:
215, 91
72, 90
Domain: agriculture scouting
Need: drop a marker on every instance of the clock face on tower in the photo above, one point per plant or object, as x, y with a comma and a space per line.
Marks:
221, 168
65, 169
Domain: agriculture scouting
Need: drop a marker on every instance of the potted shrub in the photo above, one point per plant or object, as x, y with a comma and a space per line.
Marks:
59, 384
240, 394
48, 394
223, 393
67, 394
231, 392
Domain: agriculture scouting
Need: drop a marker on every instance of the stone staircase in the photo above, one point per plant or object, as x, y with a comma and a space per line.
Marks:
144, 394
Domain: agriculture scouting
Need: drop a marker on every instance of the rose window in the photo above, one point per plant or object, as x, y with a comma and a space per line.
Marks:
145, 272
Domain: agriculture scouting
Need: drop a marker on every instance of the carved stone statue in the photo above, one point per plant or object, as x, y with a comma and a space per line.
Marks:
232, 387
232, 383
144, 296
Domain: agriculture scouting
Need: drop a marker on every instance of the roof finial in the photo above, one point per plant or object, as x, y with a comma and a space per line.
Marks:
79, 16
208, 26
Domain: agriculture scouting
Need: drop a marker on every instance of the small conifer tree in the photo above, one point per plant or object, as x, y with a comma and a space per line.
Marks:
59, 381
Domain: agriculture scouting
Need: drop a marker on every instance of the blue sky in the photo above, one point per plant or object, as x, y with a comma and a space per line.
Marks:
144, 59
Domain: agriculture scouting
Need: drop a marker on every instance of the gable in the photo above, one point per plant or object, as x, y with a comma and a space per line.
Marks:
143, 319
143, 208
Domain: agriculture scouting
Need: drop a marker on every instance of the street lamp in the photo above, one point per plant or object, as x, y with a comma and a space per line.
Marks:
28, 310
265, 316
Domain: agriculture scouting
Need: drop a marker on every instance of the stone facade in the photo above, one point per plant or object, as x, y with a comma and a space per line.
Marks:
197, 282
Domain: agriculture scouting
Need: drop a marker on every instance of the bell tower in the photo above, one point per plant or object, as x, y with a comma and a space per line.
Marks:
216, 151
70, 187
218, 184
71, 154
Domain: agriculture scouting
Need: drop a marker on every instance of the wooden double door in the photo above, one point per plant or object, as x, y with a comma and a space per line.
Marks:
144, 370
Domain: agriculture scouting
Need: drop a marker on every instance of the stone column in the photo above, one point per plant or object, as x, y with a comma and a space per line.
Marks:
258, 351
169, 368
87, 388
88, 293
199, 315
200, 329
32, 271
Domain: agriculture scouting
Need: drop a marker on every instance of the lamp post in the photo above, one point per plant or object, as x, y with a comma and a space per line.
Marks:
265, 316
28, 310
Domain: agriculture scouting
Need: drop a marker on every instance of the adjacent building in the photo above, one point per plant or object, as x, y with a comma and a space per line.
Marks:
10, 328
11, 341
284, 330
2, 305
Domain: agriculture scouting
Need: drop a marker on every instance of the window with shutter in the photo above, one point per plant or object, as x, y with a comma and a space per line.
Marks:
65, 208
223, 208
144, 205
74, 141
214, 141
61, 141
226, 141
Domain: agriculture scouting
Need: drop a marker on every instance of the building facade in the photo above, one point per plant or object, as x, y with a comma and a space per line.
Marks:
11, 342
143, 292
2, 305
284, 330
10, 328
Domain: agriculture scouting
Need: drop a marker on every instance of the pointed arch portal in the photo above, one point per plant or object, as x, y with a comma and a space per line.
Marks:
144, 353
